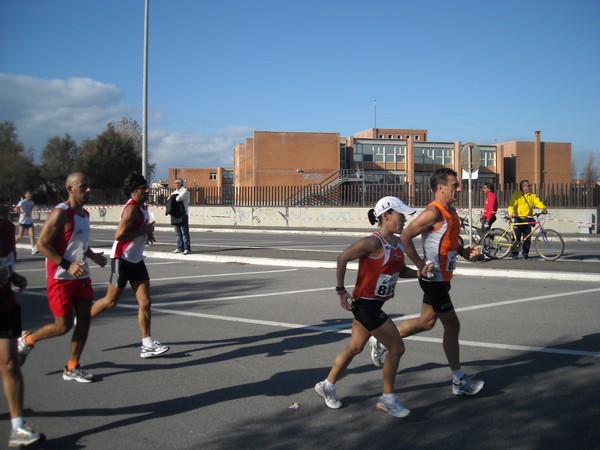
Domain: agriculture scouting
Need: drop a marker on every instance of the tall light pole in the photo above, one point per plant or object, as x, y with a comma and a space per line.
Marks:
145, 96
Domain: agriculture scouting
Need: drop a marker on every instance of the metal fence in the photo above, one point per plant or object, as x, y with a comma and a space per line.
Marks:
356, 194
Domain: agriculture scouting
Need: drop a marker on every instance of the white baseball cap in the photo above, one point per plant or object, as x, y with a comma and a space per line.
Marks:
387, 203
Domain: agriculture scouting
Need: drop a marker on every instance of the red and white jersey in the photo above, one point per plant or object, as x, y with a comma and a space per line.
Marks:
71, 244
377, 277
440, 245
133, 249
8, 251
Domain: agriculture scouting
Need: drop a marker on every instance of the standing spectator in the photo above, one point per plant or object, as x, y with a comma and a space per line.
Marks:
439, 228
64, 242
127, 262
22, 434
25, 210
380, 264
182, 225
520, 209
490, 207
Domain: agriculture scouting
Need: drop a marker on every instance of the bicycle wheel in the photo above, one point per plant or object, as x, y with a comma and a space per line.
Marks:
496, 243
549, 245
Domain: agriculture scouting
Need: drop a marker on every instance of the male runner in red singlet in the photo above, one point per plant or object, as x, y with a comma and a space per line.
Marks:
127, 261
64, 242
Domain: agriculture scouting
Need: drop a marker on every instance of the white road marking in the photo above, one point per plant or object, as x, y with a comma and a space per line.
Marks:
95, 266
237, 274
345, 328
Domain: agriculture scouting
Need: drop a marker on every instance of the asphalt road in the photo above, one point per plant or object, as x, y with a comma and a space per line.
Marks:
249, 340
320, 249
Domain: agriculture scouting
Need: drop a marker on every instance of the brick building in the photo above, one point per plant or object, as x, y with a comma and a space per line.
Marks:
378, 155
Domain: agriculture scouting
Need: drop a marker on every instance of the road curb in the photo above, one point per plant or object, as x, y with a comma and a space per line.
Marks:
466, 271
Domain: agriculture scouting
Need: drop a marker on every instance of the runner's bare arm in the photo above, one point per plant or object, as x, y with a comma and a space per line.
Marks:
130, 215
423, 222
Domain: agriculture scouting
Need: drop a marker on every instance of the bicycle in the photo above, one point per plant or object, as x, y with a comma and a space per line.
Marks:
499, 242
469, 230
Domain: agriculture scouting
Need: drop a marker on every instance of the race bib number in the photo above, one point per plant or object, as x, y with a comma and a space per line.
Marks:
451, 263
6, 265
386, 285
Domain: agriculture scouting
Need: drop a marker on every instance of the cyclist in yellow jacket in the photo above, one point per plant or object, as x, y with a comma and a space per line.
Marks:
520, 209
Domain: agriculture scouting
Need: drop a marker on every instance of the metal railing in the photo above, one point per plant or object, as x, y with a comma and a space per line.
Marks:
343, 192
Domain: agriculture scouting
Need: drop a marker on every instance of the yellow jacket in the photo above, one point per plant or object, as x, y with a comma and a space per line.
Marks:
521, 205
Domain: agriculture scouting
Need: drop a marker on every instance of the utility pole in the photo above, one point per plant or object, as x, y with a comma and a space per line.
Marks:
145, 96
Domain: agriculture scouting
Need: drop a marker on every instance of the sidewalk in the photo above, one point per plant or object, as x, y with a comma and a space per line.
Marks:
535, 268
570, 237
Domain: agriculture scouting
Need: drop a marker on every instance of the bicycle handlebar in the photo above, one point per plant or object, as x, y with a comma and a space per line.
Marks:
541, 213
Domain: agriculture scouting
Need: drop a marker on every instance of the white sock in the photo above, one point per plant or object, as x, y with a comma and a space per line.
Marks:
17, 422
458, 374
389, 397
329, 386
147, 341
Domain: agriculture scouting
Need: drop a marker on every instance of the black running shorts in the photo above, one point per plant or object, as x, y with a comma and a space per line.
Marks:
369, 313
124, 271
437, 294
10, 323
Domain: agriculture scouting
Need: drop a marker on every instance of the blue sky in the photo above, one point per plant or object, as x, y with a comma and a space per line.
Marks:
466, 70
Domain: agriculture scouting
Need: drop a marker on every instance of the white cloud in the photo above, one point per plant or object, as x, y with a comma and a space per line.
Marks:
82, 107
42, 108
188, 149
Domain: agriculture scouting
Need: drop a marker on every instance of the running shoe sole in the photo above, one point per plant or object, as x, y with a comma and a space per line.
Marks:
381, 407
156, 352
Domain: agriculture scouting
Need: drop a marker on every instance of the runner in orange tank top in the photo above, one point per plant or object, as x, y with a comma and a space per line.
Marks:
380, 264
438, 226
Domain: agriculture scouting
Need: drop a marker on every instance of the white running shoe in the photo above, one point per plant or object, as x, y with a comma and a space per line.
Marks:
24, 436
329, 396
392, 407
77, 374
378, 352
466, 386
153, 350
23, 347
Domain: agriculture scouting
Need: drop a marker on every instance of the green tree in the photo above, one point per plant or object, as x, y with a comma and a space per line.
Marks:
60, 157
17, 170
109, 158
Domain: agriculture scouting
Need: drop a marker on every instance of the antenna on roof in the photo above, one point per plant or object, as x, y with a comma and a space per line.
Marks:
375, 123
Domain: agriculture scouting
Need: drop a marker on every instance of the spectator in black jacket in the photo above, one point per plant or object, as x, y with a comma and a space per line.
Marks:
177, 208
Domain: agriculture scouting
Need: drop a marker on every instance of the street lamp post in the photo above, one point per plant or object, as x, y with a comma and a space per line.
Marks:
145, 95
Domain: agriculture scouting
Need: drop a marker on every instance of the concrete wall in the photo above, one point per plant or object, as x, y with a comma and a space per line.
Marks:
562, 220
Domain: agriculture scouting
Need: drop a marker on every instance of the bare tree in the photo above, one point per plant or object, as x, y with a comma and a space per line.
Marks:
130, 129
590, 173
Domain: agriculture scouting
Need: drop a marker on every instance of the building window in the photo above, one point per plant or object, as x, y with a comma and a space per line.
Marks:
434, 155
488, 158
417, 138
390, 136
212, 176
380, 136
399, 136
